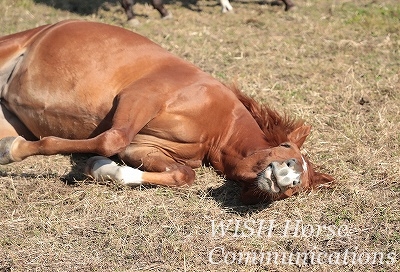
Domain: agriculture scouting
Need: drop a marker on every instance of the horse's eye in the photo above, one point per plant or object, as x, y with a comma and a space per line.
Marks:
285, 145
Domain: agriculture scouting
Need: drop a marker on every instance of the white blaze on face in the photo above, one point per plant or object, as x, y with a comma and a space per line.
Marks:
305, 167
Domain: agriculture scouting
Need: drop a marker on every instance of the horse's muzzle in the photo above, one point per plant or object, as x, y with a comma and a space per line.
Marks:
279, 176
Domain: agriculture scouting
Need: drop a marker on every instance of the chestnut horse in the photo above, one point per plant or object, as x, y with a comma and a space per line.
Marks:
85, 87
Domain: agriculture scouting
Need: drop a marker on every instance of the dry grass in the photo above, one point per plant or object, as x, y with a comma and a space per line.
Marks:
334, 63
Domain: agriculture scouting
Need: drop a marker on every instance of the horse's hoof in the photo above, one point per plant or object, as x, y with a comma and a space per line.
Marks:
5, 150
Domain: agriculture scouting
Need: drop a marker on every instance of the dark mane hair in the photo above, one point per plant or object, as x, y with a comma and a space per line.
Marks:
275, 126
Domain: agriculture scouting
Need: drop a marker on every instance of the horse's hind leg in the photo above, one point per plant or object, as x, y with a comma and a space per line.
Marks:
113, 141
107, 144
124, 128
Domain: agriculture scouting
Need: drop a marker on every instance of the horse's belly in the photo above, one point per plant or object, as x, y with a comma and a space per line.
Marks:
64, 118
56, 123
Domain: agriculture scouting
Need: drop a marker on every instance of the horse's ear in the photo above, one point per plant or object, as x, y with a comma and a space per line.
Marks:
319, 179
299, 135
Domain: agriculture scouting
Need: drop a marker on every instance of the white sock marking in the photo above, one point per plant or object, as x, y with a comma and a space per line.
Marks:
104, 168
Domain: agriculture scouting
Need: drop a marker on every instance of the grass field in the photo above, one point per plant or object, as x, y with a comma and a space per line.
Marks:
335, 64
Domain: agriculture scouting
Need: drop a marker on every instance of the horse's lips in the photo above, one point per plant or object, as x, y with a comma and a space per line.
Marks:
274, 186
268, 181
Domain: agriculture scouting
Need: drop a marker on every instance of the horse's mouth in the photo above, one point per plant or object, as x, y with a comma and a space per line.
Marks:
267, 181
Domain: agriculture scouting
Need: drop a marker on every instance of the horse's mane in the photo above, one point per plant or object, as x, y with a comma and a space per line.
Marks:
275, 126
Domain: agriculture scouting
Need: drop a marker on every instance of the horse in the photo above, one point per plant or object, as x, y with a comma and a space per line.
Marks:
62, 93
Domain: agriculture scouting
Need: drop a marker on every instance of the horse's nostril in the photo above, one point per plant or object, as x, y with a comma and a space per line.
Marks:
296, 182
291, 162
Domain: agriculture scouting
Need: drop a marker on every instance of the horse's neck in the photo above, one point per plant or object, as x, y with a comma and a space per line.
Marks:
242, 148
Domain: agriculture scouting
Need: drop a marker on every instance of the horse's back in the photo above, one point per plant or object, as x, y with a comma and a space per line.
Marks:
82, 55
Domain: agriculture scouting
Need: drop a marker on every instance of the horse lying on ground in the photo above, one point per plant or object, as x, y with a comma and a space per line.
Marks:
84, 87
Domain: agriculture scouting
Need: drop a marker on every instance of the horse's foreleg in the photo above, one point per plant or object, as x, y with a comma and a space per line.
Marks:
160, 167
105, 169
102, 168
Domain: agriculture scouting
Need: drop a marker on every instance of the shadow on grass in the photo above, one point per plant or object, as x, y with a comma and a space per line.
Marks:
228, 196
77, 173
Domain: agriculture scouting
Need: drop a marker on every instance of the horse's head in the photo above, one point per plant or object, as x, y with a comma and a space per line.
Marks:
282, 171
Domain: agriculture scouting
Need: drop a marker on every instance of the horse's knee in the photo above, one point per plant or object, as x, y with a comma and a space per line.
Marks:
112, 142
183, 175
